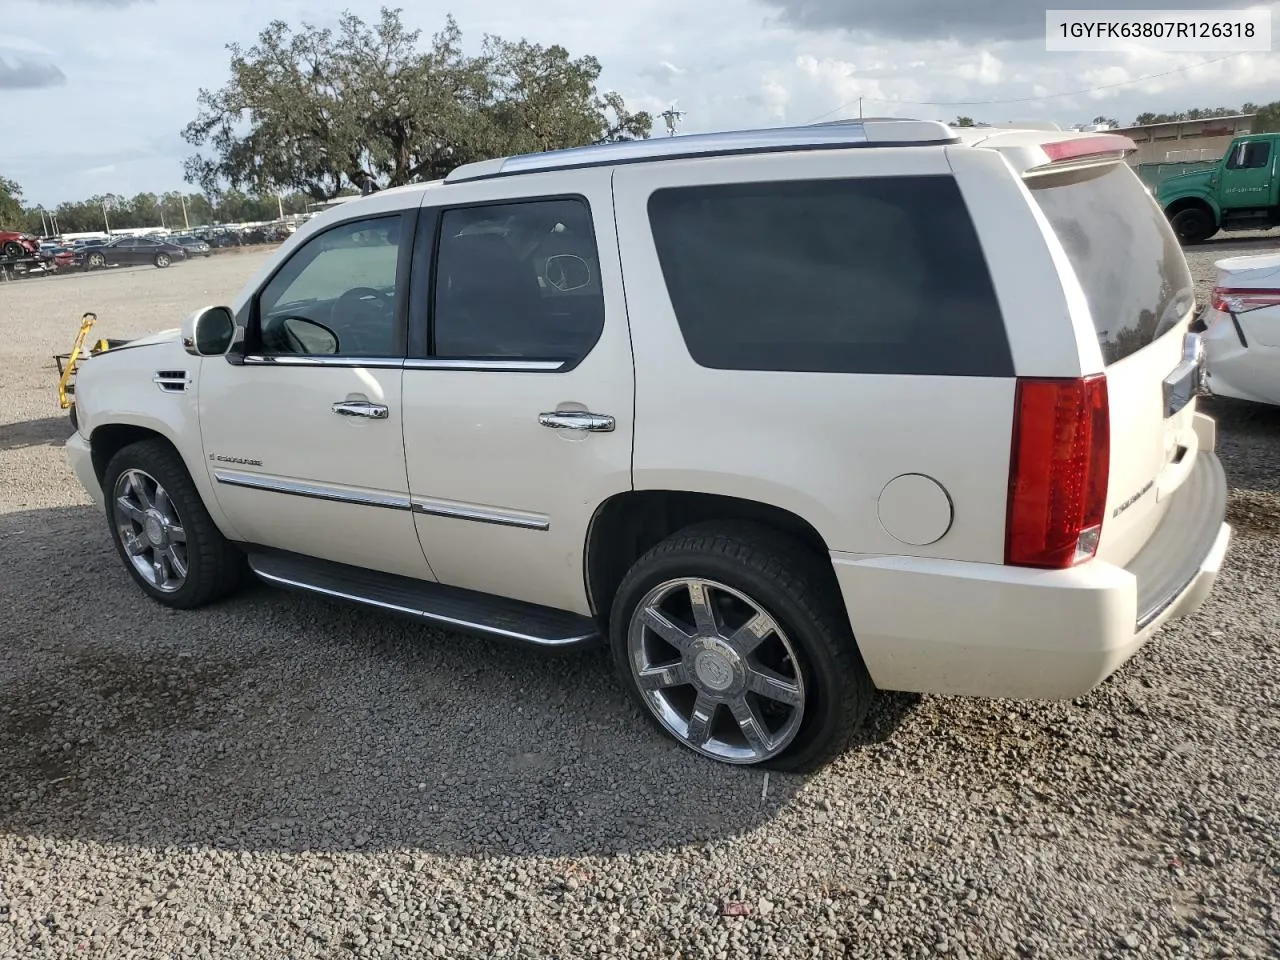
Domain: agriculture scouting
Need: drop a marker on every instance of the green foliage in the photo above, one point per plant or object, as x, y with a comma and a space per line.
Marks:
1199, 113
963, 122
1267, 119
11, 213
161, 210
323, 111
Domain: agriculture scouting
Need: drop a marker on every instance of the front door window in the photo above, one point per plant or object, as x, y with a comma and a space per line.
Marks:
336, 296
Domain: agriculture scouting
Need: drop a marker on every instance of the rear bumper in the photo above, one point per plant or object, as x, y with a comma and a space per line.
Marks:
988, 630
1236, 370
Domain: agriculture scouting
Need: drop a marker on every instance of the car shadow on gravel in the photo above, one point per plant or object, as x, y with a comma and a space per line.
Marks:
283, 722
46, 432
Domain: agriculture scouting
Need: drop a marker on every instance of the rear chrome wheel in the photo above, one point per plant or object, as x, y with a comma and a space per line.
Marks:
733, 638
150, 530
716, 670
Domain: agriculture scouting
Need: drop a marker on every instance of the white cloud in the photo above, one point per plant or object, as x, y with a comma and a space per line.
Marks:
132, 76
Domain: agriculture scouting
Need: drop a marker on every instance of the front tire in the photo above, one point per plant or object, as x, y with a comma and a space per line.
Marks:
162, 531
96, 260
734, 640
14, 249
1194, 225
163, 260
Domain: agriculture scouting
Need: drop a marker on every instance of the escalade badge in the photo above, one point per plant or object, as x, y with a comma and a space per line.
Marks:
1132, 500
241, 460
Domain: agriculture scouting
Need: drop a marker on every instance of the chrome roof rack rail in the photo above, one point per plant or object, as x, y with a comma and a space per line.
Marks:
840, 135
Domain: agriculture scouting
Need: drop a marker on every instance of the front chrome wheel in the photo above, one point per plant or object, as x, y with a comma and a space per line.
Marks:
150, 530
717, 670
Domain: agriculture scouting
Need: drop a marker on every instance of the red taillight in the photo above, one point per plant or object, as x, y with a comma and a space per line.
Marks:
1060, 464
1238, 299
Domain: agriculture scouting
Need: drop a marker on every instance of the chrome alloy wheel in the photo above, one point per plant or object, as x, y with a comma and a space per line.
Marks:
716, 670
150, 530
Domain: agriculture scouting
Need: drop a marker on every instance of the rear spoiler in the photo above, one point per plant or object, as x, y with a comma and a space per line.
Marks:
1080, 152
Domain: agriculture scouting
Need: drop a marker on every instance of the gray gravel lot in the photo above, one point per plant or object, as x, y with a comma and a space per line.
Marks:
282, 777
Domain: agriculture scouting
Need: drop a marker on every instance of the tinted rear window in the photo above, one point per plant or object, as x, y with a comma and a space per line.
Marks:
874, 275
1126, 256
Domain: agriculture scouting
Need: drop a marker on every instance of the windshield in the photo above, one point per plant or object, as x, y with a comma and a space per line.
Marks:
1125, 255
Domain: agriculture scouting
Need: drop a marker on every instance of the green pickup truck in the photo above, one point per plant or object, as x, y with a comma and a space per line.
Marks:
1238, 193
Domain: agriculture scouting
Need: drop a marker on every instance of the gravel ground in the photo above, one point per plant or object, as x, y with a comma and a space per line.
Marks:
278, 776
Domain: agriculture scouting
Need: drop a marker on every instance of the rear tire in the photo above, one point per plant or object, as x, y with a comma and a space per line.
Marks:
1194, 225
14, 249
162, 531
786, 695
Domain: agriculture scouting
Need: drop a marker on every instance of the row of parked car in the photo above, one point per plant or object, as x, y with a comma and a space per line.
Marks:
28, 253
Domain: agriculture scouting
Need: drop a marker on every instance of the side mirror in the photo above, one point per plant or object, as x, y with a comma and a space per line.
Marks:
208, 332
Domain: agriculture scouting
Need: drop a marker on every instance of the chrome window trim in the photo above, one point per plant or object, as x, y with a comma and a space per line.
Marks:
458, 511
434, 363
313, 491
289, 360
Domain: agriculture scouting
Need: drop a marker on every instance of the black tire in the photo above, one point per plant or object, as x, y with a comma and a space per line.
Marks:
794, 586
95, 260
14, 249
1194, 225
215, 567
163, 260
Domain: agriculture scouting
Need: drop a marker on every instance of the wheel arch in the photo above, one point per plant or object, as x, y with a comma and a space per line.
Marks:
628, 524
109, 438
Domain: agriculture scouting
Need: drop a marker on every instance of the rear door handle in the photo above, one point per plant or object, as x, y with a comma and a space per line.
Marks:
362, 408
577, 420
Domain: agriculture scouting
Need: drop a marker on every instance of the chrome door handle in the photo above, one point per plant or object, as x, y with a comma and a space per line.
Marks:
362, 408
576, 420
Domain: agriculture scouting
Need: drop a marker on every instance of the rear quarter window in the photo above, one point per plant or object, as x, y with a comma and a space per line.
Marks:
881, 275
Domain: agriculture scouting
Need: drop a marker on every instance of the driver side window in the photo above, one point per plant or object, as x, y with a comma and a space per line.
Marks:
1250, 155
336, 295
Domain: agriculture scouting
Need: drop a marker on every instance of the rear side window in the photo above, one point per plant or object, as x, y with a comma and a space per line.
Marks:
881, 275
1125, 255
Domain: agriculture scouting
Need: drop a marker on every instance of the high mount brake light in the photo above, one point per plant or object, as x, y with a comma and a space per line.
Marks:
1082, 148
1059, 468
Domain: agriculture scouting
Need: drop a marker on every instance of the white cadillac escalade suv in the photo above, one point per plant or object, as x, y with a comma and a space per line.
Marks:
782, 416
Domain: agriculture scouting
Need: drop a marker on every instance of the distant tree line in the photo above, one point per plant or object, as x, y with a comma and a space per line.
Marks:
1266, 117
144, 210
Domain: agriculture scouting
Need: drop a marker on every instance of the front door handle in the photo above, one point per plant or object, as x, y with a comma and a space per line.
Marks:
362, 408
577, 420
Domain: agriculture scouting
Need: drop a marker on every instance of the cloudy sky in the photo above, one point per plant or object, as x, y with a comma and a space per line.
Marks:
93, 93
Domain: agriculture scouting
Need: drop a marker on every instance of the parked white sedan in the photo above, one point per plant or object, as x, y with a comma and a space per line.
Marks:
1242, 336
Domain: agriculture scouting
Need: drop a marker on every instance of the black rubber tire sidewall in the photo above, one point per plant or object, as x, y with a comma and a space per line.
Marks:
214, 566
1193, 226
15, 250
838, 689
162, 260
